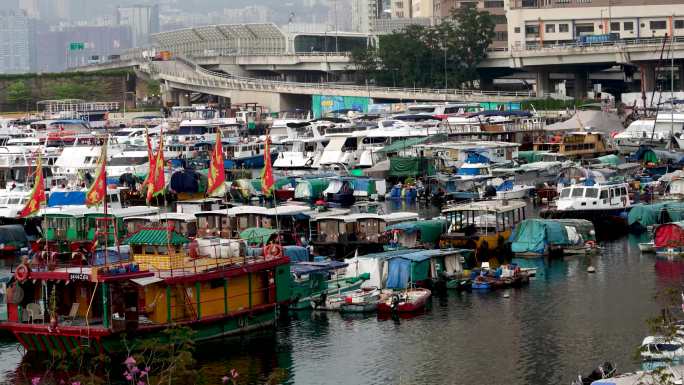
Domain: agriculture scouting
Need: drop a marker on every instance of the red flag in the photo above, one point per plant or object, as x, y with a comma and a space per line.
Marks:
157, 182
98, 190
37, 194
217, 172
267, 173
150, 157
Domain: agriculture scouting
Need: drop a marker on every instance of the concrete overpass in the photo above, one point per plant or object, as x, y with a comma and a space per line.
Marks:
181, 76
580, 59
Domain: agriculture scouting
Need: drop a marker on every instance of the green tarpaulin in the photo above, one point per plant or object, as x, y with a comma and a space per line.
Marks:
400, 145
531, 156
534, 235
257, 234
410, 166
311, 189
657, 213
611, 159
430, 230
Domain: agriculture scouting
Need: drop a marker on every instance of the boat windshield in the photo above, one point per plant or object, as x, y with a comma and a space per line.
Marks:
195, 130
577, 192
591, 192
565, 193
128, 161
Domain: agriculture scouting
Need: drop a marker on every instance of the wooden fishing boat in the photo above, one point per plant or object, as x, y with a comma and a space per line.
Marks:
407, 301
505, 276
153, 288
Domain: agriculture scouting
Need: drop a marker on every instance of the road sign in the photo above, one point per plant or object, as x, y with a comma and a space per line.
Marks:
76, 46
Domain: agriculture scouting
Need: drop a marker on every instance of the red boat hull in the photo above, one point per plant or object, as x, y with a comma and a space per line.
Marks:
284, 195
416, 304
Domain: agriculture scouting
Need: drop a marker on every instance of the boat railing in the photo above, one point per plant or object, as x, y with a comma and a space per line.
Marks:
209, 265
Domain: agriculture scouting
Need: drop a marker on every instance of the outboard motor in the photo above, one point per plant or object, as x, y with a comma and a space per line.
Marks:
605, 370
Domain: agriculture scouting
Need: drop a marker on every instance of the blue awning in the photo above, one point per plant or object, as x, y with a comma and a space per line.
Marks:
66, 198
316, 267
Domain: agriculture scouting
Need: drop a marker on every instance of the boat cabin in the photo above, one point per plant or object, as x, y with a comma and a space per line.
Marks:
576, 145
485, 224
196, 205
184, 224
597, 197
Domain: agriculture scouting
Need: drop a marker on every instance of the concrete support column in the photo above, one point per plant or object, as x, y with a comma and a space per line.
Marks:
183, 99
681, 76
543, 83
648, 76
580, 85
167, 95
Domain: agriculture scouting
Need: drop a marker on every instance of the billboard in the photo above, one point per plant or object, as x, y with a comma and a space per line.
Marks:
322, 105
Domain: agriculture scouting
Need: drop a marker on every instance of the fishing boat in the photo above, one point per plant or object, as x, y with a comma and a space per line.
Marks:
668, 239
334, 301
504, 276
606, 205
647, 247
576, 145
312, 282
483, 225
663, 349
406, 301
539, 237
71, 308
510, 190
366, 302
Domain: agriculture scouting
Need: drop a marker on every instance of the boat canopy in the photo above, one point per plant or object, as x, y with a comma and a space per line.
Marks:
400, 145
430, 230
653, 214
13, 235
156, 237
413, 266
610, 159
534, 235
669, 235
531, 156
257, 234
401, 166
301, 268
310, 189
66, 198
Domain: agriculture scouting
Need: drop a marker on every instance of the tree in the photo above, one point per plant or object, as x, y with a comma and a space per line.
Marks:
18, 93
444, 55
473, 34
153, 88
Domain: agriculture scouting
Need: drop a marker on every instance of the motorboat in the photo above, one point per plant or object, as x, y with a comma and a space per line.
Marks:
357, 297
509, 190
660, 348
406, 301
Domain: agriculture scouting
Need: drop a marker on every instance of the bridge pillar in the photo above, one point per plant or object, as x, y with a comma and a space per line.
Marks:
183, 99
543, 83
681, 76
580, 85
648, 76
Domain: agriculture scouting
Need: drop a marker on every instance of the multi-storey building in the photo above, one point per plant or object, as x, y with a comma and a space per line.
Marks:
143, 21
544, 22
442, 9
364, 14
16, 42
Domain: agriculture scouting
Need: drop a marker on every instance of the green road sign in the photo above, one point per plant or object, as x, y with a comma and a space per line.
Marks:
76, 46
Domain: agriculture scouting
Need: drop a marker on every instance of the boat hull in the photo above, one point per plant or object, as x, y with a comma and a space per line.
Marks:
415, 304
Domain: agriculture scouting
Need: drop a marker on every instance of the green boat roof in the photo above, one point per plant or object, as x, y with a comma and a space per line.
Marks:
257, 234
156, 237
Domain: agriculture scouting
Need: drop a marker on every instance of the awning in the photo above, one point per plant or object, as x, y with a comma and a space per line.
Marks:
400, 145
146, 280
257, 234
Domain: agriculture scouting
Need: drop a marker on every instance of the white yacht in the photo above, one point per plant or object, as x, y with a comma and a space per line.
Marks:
606, 197
303, 147
134, 162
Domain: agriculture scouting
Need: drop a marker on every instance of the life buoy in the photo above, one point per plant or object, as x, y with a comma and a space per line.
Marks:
21, 273
273, 250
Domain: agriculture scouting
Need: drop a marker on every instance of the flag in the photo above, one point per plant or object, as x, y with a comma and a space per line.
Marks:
267, 173
37, 194
217, 172
150, 157
156, 182
98, 190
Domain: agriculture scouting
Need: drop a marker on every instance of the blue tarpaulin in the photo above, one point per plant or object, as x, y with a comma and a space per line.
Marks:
296, 253
316, 267
65, 198
398, 273
186, 181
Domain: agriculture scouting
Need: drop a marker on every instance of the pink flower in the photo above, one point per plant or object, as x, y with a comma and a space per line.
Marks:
130, 361
134, 370
76, 383
141, 382
129, 377
148, 369
143, 373
224, 379
234, 373
35, 381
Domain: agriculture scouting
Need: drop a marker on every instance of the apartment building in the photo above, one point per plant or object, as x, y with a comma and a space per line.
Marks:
442, 10
548, 22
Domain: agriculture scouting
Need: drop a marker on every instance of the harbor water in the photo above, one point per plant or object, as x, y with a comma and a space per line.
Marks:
564, 323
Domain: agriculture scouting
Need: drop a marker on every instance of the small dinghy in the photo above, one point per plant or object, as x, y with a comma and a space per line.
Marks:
647, 247
407, 301
367, 303
335, 302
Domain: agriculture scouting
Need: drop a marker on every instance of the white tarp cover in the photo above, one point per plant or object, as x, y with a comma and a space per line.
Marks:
376, 267
595, 120
333, 188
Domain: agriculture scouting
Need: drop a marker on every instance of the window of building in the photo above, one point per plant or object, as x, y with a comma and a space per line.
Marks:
532, 30
657, 24
550, 28
493, 4
563, 28
499, 19
529, 3
615, 26
516, 29
584, 28
501, 36
628, 26
679, 24
583, 1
